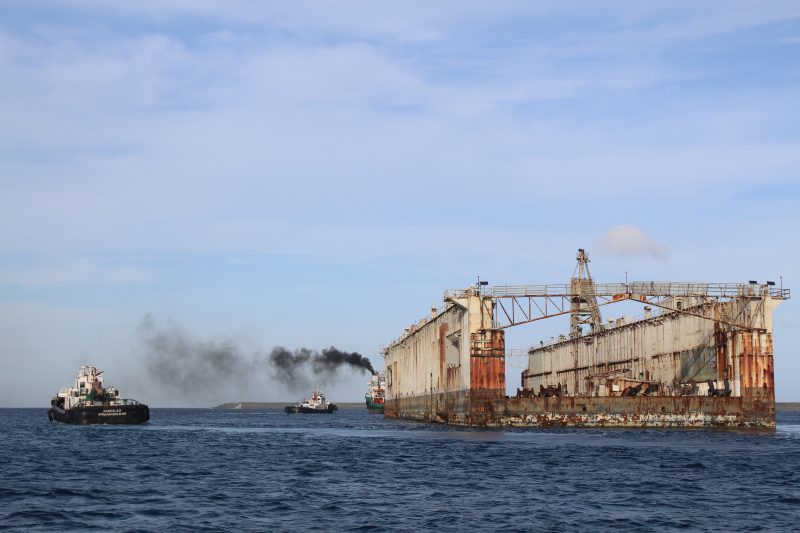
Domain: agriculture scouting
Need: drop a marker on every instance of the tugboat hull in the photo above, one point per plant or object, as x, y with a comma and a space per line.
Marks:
375, 407
101, 414
299, 409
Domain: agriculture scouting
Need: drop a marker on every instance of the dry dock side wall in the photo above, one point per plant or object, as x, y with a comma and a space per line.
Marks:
674, 350
439, 359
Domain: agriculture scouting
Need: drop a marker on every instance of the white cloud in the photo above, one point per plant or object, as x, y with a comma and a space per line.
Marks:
628, 240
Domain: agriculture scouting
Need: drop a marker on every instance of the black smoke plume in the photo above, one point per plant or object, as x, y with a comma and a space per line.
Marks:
197, 368
292, 367
331, 359
174, 358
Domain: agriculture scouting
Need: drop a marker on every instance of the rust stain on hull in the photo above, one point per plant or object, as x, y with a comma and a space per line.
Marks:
755, 409
487, 360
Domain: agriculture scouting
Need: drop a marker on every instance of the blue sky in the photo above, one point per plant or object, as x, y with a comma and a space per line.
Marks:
318, 173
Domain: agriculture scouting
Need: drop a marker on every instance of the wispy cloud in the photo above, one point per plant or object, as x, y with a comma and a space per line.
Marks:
60, 271
628, 240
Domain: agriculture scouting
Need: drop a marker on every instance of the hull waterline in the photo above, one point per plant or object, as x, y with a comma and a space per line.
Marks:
101, 414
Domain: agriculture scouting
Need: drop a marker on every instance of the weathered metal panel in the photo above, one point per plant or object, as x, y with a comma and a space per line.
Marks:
419, 360
487, 360
671, 349
698, 364
436, 353
488, 373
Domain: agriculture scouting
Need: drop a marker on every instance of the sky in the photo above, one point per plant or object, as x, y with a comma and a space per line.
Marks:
312, 174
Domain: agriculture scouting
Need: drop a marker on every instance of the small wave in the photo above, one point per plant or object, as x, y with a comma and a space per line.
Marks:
791, 429
695, 466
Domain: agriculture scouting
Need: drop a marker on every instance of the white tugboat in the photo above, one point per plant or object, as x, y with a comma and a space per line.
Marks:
89, 402
317, 404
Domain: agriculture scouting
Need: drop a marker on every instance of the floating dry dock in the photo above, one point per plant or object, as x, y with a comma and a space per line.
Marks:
701, 356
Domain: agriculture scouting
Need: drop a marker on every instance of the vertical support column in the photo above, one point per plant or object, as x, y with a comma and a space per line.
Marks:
488, 362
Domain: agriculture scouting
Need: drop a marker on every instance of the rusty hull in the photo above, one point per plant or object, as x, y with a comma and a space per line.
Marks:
755, 409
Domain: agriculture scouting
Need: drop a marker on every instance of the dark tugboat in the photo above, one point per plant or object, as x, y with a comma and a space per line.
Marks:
88, 402
317, 404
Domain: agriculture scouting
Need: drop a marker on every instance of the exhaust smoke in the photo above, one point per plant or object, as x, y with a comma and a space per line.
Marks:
207, 370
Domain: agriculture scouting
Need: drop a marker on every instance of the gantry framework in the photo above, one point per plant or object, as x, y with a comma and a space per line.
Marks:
523, 304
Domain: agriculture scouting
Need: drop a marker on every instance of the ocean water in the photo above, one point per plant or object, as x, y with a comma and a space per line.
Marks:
199, 469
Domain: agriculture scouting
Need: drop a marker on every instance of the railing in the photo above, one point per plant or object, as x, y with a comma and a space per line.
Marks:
413, 328
109, 403
648, 288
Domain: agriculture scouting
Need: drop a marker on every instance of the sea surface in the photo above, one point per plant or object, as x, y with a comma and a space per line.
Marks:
263, 470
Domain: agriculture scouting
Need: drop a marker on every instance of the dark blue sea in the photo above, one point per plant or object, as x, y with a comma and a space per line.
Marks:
198, 469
